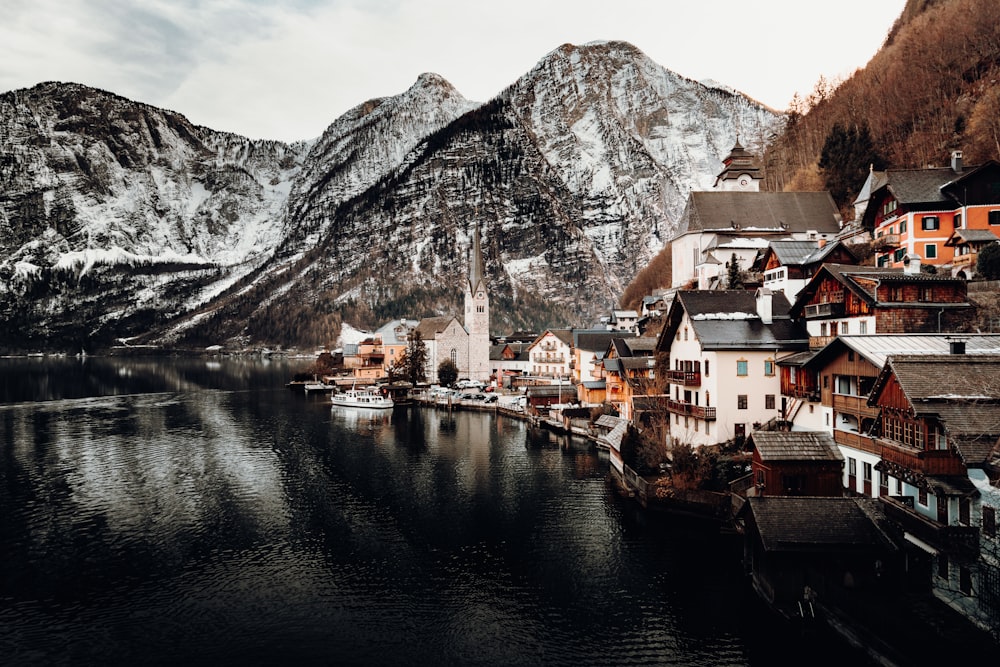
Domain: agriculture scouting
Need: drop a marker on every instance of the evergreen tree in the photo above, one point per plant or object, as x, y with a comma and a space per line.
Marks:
447, 373
988, 262
734, 277
415, 359
848, 154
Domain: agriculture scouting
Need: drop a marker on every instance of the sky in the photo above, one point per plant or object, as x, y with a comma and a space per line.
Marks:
286, 69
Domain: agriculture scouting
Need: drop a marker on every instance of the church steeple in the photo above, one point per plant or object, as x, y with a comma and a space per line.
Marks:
477, 281
740, 171
477, 312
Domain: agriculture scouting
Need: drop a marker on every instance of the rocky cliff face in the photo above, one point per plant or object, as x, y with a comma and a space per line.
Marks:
118, 219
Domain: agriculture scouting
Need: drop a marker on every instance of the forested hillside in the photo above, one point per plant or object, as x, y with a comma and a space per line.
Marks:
934, 87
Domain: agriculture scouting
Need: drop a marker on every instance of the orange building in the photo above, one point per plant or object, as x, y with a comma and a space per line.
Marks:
915, 212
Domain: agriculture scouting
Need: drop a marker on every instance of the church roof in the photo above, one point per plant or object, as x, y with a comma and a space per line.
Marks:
760, 213
477, 278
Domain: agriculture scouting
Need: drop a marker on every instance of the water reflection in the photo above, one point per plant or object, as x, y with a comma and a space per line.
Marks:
206, 515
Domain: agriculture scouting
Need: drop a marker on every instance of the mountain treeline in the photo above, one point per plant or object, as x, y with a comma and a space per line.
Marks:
933, 87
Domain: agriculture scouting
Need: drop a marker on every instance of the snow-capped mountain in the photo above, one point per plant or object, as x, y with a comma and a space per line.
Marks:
118, 219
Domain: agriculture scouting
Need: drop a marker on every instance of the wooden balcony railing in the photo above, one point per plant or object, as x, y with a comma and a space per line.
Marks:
685, 378
854, 405
691, 410
955, 540
858, 441
800, 391
831, 309
927, 461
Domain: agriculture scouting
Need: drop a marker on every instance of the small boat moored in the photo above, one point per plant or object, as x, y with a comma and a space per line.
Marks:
362, 398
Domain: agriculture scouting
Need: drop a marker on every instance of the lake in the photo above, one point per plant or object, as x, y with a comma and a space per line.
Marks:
193, 511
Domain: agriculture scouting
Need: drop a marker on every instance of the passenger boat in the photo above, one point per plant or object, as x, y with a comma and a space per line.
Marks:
362, 398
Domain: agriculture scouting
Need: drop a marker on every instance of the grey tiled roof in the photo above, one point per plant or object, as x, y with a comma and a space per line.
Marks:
774, 211
917, 186
796, 523
796, 446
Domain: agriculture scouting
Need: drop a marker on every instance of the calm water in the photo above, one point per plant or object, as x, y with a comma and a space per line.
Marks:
193, 512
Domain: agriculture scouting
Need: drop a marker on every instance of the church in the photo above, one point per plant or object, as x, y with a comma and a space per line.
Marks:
468, 344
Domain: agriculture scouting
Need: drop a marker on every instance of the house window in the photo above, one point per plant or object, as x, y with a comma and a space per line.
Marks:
843, 328
965, 580
888, 207
741, 402
925, 294
707, 424
454, 356
822, 329
769, 367
994, 217
862, 327
867, 471
741, 367
930, 251
989, 521
769, 401
958, 221
922, 497
706, 368
852, 467
685, 333
883, 484
929, 223
902, 226
897, 255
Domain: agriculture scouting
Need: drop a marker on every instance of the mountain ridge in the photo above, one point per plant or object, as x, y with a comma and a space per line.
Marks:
574, 172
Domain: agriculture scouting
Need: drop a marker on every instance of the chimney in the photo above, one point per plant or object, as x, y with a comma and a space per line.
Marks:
911, 263
764, 301
956, 346
956, 161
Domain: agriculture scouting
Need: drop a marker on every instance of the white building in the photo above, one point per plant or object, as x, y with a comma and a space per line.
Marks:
723, 347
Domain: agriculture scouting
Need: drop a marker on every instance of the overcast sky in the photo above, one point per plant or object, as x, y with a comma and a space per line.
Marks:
285, 69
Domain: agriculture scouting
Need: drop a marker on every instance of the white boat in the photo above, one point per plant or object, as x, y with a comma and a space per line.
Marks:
362, 398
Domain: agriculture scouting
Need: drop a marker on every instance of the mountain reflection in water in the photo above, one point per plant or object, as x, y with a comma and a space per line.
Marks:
178, 511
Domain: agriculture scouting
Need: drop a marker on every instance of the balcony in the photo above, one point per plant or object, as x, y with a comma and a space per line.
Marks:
886, 241
858, 441
955, 540
963, 261
549, 359
854, 405
829, 309
927, 461
804, 392
691, 410
684, 378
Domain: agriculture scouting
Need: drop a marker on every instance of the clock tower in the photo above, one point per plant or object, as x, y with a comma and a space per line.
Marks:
740, 172
477, 314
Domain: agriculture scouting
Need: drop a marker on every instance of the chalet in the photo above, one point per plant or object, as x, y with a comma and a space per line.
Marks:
915, 211
589, 348
628, 370
939, 428
723, 347
802, 463
788, 265
842, 300
967, 243
802, 549
838, 380
738, 219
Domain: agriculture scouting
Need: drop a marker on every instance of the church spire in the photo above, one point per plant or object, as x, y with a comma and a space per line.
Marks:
477, 279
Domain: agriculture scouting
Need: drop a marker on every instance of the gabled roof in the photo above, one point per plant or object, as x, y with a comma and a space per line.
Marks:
876, 348
795, 446
728, 320
388, 331
972, 236
926, 189
429, 327
632, 346
593, 340
804, 523
564, 335
763, 212
802, 253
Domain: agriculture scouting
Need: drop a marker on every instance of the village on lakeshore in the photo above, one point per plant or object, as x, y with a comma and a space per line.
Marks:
822, 388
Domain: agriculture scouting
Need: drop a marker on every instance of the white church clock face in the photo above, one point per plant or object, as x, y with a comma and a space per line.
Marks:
744, 181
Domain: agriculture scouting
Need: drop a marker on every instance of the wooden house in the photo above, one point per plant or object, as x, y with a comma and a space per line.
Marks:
939, 428
842, 300
800, 463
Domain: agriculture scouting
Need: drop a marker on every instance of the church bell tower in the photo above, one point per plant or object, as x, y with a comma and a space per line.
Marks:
477, 314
